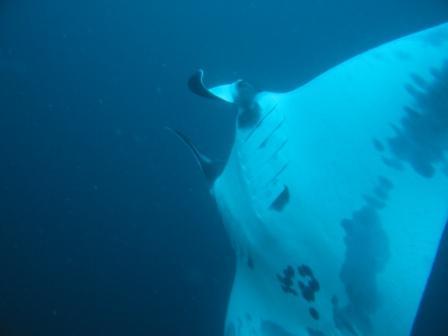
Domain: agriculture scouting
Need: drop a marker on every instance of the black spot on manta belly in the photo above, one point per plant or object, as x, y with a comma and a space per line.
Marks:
286, 280
310, 286
307, 293
305, 270
281, 200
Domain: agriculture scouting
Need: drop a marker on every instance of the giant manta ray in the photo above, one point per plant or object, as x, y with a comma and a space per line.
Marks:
335, 195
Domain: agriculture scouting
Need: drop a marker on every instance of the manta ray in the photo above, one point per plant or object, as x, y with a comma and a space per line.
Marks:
335, 194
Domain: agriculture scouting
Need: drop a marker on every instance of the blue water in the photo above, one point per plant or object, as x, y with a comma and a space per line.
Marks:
106, 224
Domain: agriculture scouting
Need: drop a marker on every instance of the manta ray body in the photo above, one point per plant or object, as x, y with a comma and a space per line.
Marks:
335, 195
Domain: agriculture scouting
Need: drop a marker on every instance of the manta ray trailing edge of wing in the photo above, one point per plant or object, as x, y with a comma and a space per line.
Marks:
335, 206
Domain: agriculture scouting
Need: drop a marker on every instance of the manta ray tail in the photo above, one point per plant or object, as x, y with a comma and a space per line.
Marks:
209, 167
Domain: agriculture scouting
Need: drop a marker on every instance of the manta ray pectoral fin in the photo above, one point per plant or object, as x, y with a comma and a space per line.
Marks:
227, 92
209, 167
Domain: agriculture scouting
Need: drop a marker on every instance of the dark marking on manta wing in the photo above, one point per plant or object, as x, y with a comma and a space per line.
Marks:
307, 293
421, 138
281, 200
366, 243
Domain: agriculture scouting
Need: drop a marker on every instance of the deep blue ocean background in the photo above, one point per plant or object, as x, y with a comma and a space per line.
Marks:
106, 223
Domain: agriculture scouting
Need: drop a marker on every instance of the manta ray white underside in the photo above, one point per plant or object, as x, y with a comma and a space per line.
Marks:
335, 195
